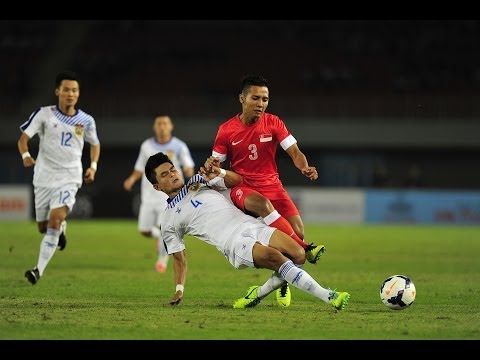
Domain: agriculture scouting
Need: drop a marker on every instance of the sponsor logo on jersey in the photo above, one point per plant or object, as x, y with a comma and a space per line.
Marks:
265, 137
79, 130
236, 142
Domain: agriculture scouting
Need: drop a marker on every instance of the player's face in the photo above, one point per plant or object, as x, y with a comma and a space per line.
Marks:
162, 127
68, 93
254, 102
168, 178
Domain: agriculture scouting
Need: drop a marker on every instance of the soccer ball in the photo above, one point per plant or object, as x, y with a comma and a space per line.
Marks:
397, 292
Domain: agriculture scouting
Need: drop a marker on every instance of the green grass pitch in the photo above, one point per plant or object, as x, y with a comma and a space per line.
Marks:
103, 286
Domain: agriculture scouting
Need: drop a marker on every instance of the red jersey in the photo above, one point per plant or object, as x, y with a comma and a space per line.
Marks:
252, 148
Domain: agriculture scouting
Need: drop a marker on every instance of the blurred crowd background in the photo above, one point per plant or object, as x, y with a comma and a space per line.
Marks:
372, 103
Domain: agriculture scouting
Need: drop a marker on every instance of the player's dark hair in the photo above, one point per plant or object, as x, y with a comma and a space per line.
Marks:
66, 75
153, 162
252, 80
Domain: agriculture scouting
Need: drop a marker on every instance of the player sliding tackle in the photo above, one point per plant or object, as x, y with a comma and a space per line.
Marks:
198, 209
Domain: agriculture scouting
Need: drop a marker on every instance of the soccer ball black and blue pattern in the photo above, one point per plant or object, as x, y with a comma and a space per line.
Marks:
398, 292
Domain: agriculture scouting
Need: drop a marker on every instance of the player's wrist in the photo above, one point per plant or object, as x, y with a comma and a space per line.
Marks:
180, 287
222, 173
93, 165
25, 155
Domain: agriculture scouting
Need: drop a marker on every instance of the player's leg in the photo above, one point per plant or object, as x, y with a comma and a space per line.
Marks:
252, 202
146, 221
285, 206
162, 255
41, 199
62, 239
276, 282
54, 204
242, 256
147, 226
69, 202
271, 258
50, 240
42, 225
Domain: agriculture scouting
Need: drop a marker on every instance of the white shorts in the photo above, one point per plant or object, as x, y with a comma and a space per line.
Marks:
53, 198
240, 252
149, 215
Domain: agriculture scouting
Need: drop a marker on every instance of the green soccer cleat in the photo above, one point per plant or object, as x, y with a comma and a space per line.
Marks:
283, 296
313, 252
338, 299
249, 300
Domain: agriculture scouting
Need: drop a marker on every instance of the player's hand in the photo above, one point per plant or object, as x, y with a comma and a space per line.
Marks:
177, 298
210, 162
310, 172
128, 184
210, 169
89, 175
28, 161
210, 174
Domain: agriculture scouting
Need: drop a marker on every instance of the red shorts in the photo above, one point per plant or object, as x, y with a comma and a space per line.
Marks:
277, 195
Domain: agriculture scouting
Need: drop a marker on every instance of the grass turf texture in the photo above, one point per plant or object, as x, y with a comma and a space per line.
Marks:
103, 286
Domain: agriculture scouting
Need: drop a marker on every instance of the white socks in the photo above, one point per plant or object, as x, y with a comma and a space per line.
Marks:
302, 280
47, 248
272, 284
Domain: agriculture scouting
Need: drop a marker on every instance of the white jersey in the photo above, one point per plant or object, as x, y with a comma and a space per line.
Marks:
176, 150
62, 137
203, 212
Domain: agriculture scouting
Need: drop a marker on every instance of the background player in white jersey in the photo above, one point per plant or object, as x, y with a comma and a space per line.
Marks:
153, 202
198, 209
57, 172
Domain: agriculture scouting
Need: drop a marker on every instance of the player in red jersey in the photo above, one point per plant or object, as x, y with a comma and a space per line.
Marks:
250, 140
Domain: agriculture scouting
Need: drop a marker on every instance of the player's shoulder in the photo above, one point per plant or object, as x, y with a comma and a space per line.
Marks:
84, 115
38, 112
271, 118
45, 109
150, 141
178, 141
229, 124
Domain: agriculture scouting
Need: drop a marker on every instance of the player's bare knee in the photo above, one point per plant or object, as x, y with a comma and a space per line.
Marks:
55, 222
267, 205
146, 233
259, 205
298, 256
276, 259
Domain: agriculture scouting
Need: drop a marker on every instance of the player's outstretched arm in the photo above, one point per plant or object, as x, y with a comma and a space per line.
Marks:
300, 161
212, 170
180, 274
